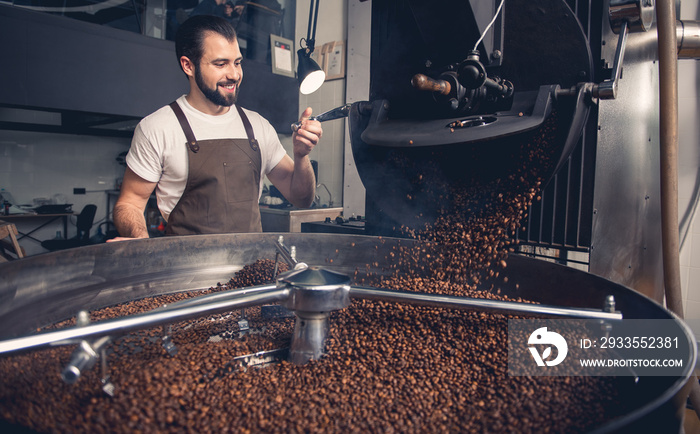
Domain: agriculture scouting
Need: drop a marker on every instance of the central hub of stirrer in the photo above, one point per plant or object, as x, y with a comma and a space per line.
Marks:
314, 293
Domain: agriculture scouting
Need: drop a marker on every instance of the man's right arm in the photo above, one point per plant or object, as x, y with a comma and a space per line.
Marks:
129, 209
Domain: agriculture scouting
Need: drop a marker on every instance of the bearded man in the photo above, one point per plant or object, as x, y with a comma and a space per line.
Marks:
203, 154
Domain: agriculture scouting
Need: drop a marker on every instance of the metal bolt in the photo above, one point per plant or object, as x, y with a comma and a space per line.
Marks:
609, 305
82, 319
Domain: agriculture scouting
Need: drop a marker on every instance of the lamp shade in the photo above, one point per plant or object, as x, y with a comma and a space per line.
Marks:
310, 75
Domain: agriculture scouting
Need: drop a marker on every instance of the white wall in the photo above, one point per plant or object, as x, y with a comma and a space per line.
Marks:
332, 26
41, 165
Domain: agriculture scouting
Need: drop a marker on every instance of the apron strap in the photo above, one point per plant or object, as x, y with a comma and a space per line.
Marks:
191, 140
248, 129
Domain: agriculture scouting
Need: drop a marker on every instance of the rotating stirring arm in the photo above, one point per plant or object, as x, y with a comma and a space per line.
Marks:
304, 300
147, 320
484, 305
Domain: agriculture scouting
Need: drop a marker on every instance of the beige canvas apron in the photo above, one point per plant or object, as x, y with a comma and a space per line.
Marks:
223, 184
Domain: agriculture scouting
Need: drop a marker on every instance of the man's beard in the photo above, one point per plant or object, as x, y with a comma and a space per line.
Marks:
213, 95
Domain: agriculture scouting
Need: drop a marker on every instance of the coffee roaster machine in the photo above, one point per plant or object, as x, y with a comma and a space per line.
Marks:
593, 63
428, 92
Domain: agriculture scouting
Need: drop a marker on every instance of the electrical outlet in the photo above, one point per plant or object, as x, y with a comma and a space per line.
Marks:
78, 191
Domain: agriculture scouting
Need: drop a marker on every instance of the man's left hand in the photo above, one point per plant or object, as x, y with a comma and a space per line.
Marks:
307, 136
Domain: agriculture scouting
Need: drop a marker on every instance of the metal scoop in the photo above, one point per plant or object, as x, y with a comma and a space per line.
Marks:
336, 113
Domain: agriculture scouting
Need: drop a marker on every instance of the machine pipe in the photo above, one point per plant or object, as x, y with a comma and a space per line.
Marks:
668, 125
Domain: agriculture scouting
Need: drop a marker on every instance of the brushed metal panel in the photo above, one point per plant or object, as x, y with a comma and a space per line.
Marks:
626, 243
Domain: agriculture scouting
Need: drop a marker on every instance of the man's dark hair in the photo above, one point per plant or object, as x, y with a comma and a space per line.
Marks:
189, 40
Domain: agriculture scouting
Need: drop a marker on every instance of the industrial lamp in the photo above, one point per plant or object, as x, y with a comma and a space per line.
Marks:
310, 75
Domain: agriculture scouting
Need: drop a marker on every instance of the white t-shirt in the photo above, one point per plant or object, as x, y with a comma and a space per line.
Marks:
159, 152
